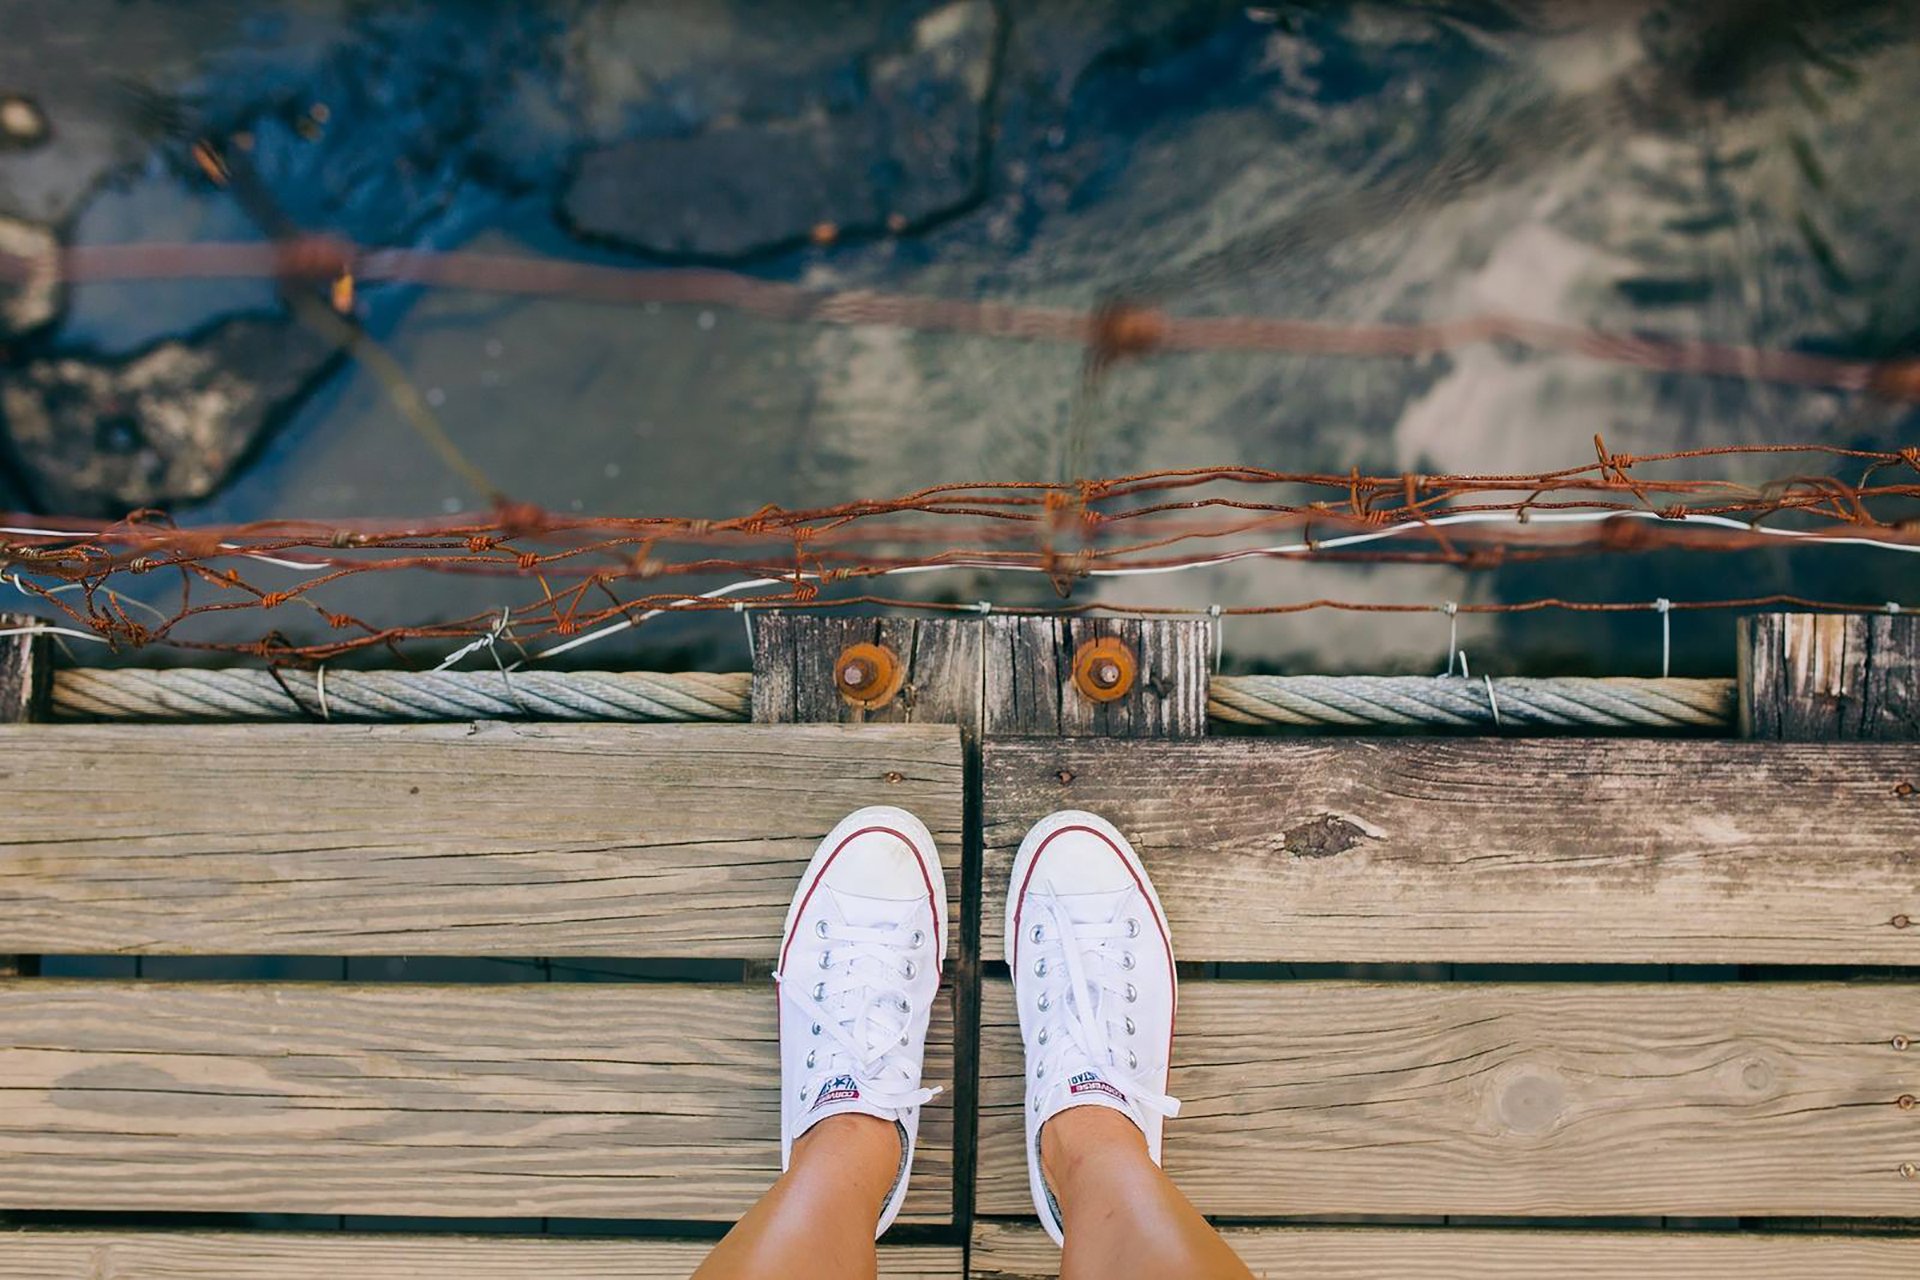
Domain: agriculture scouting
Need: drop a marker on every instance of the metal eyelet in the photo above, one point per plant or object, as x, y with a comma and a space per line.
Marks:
1132, 995
1034, 934
905, 1007
1129, 1026
908, 970
1133, 1063
1126, 959
1042, 1037
918, 940
1040, 1072
826, 960
810, 1061
1040, 967
820, 929
1133, 927
816, 1028
1045, 1002
819, 991
903, 1039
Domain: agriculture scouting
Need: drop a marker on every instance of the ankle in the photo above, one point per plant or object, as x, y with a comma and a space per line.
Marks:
1082, 1138
852, 1140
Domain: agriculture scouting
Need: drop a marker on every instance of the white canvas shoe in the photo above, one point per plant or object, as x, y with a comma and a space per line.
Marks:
859, 965
1092, 963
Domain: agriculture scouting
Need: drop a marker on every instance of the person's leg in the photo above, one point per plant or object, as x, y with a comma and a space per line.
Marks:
1123, 1215
858, 970
1091, 955
816, 1222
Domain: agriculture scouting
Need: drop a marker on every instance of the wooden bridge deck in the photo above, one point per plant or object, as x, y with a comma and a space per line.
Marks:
1621, 1008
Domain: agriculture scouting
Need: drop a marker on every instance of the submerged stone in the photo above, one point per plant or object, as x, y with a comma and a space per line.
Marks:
891, 138
164, 426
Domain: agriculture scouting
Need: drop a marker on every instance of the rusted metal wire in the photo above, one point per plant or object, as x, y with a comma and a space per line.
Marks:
567, 579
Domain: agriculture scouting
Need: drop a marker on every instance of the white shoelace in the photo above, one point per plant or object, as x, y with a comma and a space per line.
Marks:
858, 1008
1077, 1030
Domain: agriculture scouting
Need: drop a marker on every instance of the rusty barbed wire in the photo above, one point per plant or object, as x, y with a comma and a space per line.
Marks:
590, 576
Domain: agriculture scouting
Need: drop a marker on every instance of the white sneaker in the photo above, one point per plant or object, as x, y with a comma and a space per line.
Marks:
859, 965
1092, 963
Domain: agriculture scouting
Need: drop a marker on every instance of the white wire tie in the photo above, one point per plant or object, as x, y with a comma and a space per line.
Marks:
320, 691
1665, 608
1215, 612
1452, 610
1464, 673
984, 607
1893, 608
1492, 701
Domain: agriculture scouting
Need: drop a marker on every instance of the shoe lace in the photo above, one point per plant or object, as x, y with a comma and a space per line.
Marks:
859, 1005
1078, 1029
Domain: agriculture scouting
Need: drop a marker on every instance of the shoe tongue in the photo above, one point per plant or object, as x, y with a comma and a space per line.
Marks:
866, 913
1094, 908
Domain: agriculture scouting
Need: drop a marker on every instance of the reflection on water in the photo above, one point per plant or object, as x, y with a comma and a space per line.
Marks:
1739, 172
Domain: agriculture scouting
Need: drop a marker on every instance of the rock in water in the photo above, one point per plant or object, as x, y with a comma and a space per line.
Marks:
164, 426
902, 148
29, 279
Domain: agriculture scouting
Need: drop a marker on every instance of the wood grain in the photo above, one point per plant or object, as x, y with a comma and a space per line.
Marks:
795, 656
1617, 850
265, 1255
1317, 1098
1005, 1251
1812, 677
1030, 689
606, 1101
26, 671
484, 839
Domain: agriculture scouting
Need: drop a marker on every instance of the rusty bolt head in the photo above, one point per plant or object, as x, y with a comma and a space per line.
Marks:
1908, 1170
1064, 777
1903, 790
1900, 1043
868, 675
1902, 921
895, 776
1104, 669
1904, 1102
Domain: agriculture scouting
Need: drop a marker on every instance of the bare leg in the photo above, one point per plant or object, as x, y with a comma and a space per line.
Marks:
817, 1221
1122, 1215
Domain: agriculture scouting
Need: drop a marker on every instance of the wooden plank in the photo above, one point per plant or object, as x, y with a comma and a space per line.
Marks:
273, 1255
1616, 850
486, 839
26, 680
1319, 1098
795, 656
562, 1100
1008, 1251
26, 672
1809, 677
1030, 689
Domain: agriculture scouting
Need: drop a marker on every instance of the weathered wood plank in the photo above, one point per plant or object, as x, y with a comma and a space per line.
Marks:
1006, 1251
273, 1255
1030, 689
26, 672
1610, 850
609, 1101
630, 840
1810, 677
1317, 1098
795, 656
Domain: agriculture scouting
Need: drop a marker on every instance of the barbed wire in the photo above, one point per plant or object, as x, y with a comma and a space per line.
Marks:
591, 577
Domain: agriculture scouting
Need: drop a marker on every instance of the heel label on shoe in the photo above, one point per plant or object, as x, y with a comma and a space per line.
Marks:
838, 1089
1090, 1082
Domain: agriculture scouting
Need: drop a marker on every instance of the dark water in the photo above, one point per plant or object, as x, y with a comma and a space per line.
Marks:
1739, 172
